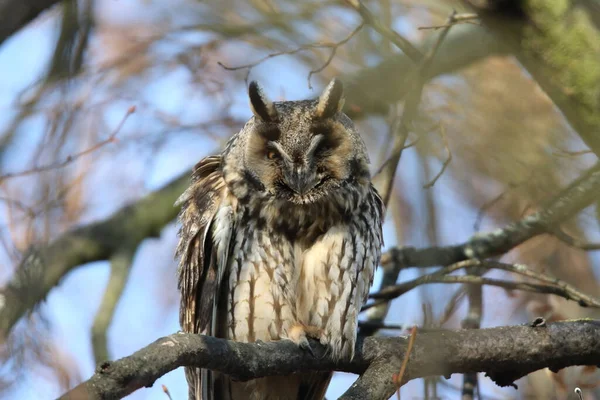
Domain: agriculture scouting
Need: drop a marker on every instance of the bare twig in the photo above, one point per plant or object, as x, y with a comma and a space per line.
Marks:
332, 46
377, 325
566, 292
166, 390
457, 19
569, 153
446, 162
486, 206
111, 138
393, 36
548, 285
578, 195
372, 91
452, 305
398, 378
573, 242
384, 178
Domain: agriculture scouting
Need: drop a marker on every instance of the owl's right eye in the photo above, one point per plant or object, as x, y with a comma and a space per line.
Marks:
272, 155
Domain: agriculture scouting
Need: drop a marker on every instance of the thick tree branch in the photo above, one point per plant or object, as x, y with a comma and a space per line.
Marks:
547, 36
15, 14
371, 90
43, 269
505, 354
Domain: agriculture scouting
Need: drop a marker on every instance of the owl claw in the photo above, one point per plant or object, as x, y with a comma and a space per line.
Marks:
299, 334
305, 345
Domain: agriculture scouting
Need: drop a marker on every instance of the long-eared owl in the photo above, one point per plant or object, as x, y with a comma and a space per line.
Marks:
280, 236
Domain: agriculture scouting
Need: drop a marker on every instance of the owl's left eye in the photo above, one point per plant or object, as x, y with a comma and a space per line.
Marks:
272, 155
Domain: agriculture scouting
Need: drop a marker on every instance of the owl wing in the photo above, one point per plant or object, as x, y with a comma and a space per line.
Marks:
206, 224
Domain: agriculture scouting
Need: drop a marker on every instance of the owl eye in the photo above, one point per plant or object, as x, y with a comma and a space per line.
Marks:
272, 155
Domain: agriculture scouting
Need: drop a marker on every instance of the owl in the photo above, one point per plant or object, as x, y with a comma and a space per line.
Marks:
280, 236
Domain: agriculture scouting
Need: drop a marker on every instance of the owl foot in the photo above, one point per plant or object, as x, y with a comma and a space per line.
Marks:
299, 334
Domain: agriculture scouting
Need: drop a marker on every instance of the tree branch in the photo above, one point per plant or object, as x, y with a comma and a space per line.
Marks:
99, 241
546, 36
371, 90
577, 196
120, 266
15, 14
505, 354
43, 268
403, 44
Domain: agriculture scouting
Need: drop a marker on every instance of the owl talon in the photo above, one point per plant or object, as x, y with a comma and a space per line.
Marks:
305, 345
299, 334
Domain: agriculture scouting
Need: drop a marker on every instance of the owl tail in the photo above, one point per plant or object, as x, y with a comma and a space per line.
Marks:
196, 391
314, 385
194, 380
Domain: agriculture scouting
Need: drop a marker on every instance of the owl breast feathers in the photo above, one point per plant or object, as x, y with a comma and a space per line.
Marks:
279, 239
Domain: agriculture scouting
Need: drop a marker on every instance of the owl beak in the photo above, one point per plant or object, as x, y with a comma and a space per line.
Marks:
300, 182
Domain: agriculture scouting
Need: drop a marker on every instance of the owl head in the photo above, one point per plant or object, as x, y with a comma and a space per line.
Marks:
302, 151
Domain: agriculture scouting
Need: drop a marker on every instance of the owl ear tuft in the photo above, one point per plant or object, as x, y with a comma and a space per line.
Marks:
261, 106
331, 100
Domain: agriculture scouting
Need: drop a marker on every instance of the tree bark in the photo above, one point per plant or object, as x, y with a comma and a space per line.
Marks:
505, 354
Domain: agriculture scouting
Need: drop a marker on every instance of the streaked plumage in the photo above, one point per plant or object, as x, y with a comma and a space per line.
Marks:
279, 239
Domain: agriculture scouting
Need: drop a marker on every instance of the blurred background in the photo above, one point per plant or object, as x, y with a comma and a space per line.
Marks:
71, 154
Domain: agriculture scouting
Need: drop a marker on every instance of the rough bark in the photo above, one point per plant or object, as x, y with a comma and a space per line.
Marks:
505, 354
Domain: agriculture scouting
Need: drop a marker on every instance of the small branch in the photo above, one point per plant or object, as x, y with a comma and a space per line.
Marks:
332, 46
568, 153
71, 158
580, 194
548, 284
446, 162
332, 53
571, 241
120, 265
458, 19
403, 44
486, 206
399, 379
374, 325
384, 178
452, 305
566, 292
505, 354
166, 390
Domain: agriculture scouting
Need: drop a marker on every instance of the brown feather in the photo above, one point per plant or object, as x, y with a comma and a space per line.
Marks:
198, 268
